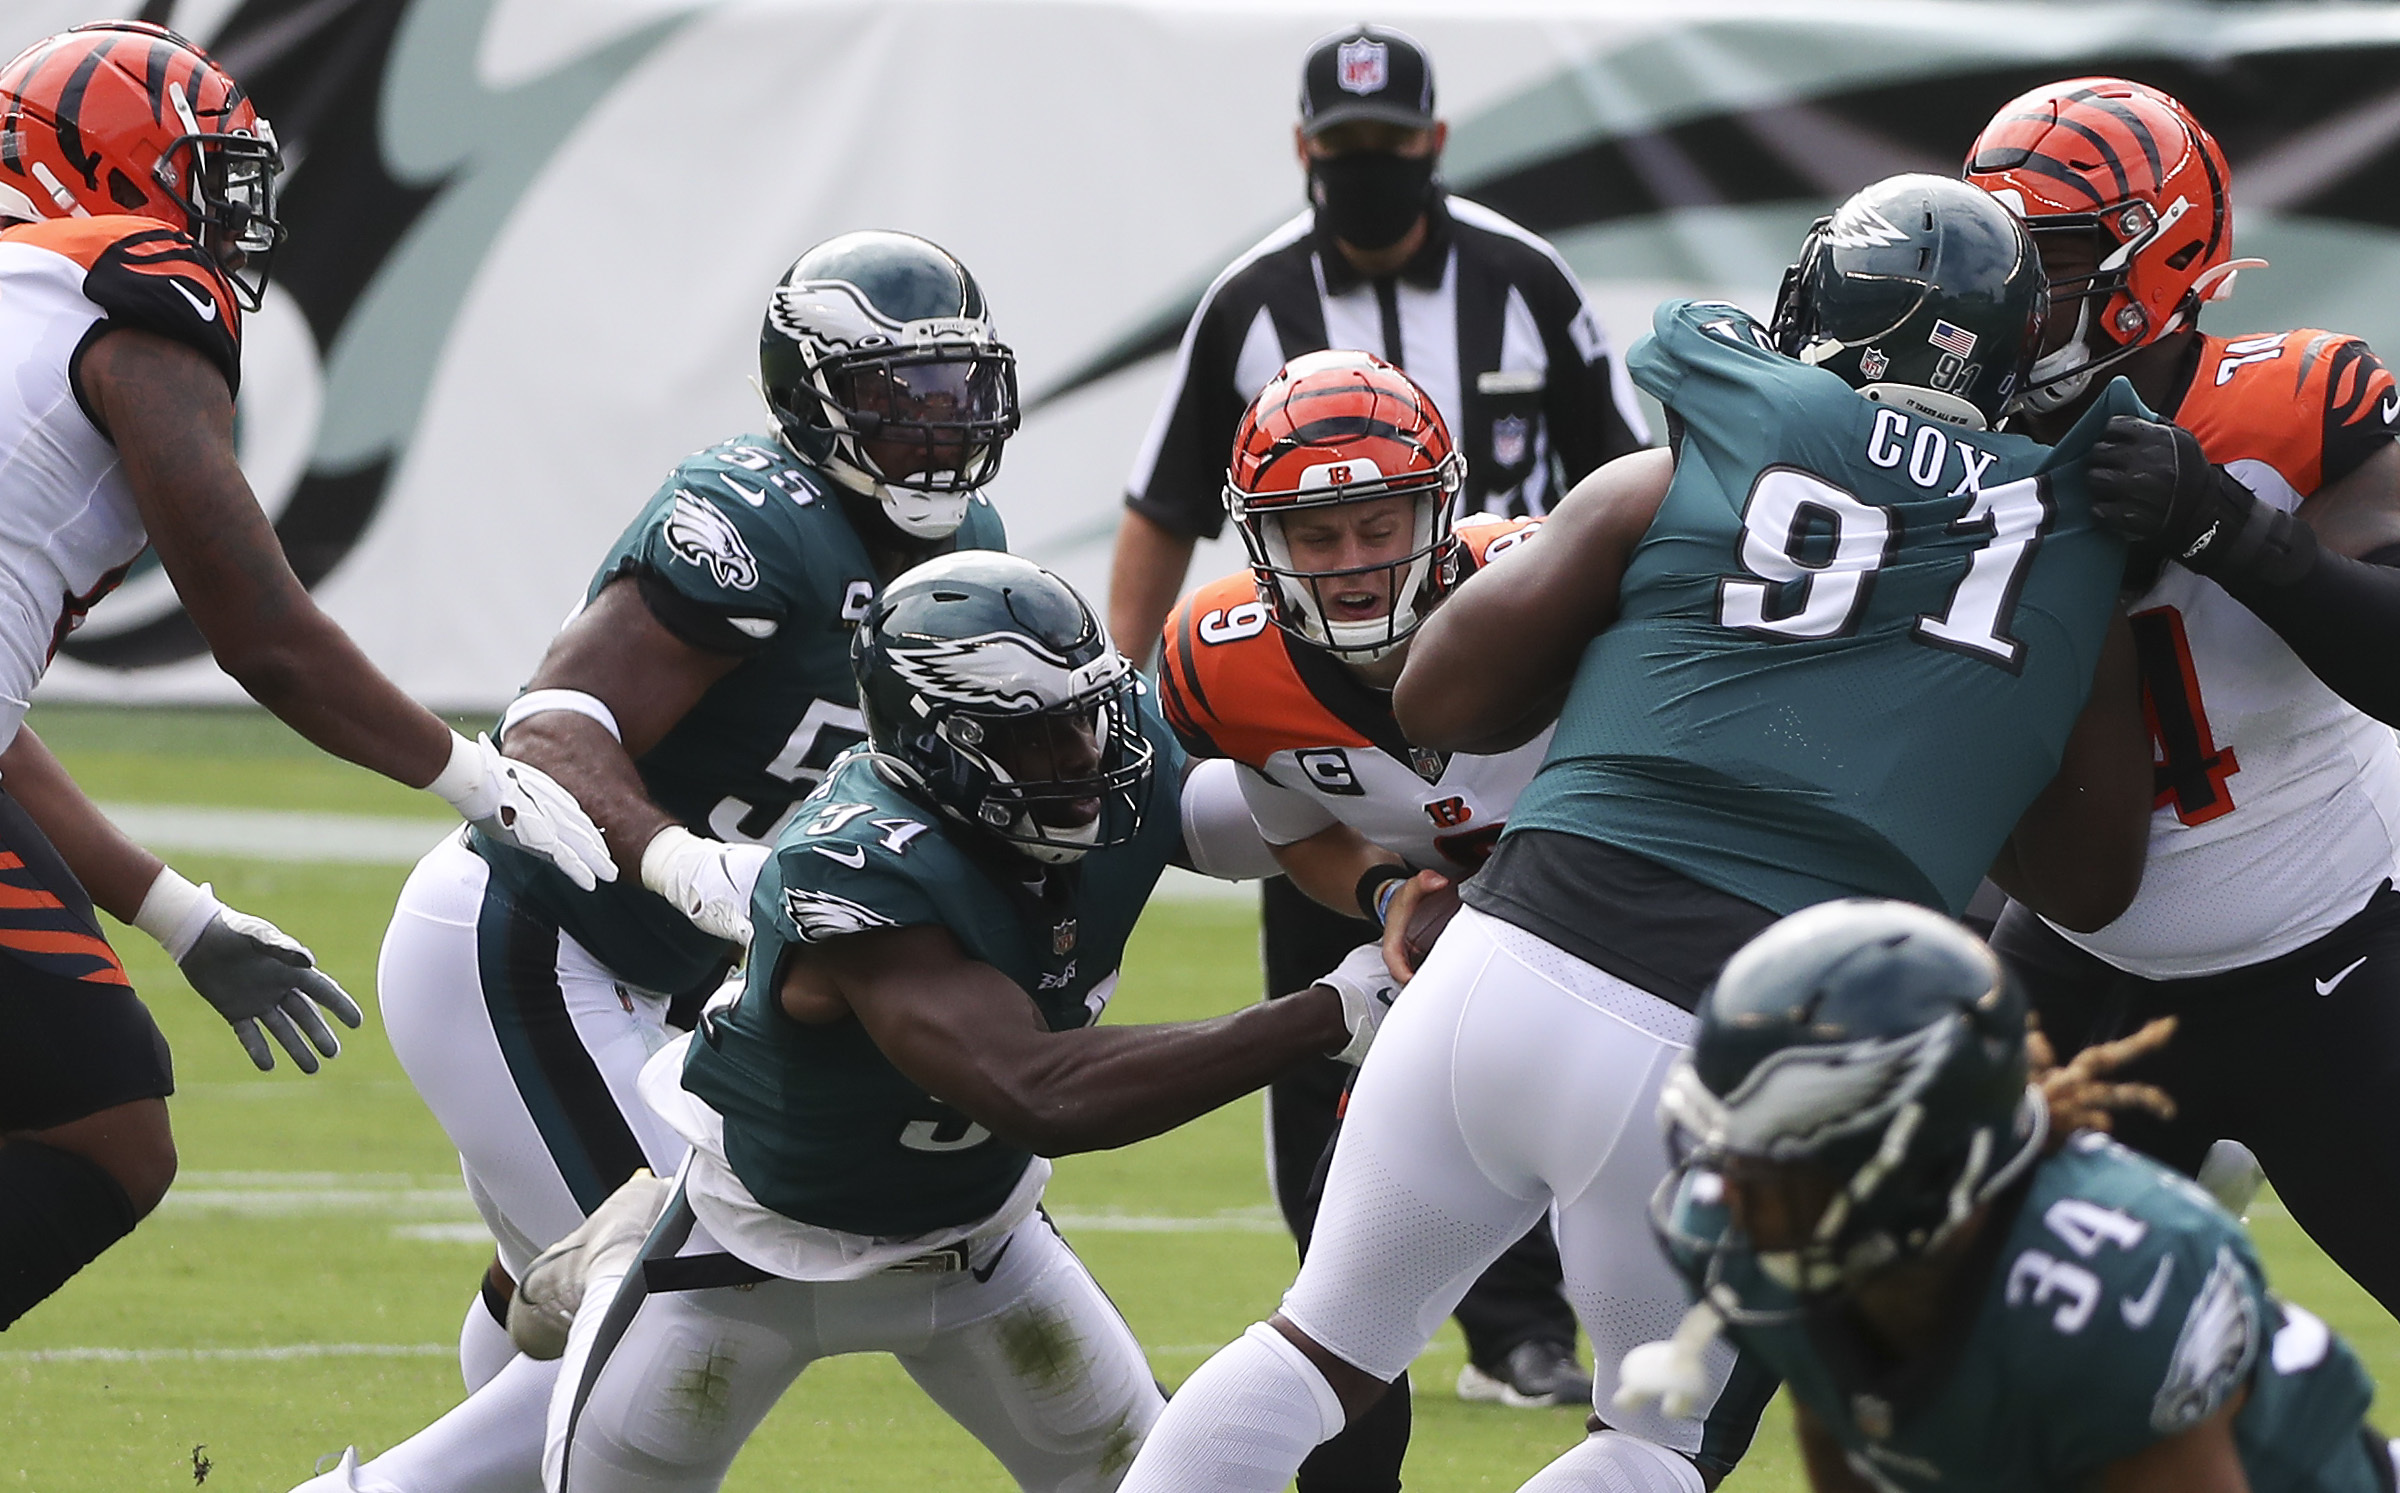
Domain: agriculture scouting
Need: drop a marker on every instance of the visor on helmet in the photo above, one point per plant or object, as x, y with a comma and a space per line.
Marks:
930, 420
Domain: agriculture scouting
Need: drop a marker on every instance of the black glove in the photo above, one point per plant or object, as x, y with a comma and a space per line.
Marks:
2153, 487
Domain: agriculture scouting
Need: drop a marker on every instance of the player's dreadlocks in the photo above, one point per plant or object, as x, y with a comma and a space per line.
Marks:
2079, 1095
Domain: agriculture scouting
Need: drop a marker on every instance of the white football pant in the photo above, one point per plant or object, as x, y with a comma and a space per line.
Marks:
1022, 1349
1510, 1077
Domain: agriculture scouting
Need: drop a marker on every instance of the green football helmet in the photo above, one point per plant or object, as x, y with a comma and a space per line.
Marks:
1920, 291
992, 689
879, 341
1872, 1055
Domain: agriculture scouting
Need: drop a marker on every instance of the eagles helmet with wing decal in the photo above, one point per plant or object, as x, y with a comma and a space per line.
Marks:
879, 361
1856, 1090
1919, 291
995, 690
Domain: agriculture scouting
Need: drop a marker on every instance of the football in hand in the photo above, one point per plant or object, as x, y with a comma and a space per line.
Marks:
1426, 920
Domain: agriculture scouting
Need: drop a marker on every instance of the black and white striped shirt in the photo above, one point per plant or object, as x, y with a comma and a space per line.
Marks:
1486, 317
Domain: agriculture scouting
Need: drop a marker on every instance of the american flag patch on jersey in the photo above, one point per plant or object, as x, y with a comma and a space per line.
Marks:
1952, 339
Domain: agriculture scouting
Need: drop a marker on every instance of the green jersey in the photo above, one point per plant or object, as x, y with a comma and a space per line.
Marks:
1852, 643
2124, 1306
819, 1125
746, 550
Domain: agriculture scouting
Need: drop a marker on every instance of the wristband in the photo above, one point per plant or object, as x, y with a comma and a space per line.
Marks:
572, 701
465, 784
175, 912
666, 847
1377, 888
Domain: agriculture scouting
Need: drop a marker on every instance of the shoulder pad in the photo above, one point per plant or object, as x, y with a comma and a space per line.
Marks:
145, 275
854, 859
2247, 391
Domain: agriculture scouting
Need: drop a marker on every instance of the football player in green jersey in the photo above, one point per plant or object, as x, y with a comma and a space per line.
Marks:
937, 934
699, 692
1960, 1295
1838, 638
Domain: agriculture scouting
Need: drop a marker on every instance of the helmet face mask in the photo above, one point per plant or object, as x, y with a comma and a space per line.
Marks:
880, 364
1922, 292
991, 688
127, 117
1320, 456
1856, 1093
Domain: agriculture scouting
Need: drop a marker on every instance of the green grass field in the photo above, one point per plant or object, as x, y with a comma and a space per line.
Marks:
302, 1288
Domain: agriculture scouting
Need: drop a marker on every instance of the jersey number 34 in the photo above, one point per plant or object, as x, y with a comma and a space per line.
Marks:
1816, 550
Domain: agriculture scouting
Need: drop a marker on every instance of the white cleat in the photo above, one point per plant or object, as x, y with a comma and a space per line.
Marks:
2231, 1175
342, 1479
547, 1298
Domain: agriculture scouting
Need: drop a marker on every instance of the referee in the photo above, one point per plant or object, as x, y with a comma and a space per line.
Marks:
1488, 320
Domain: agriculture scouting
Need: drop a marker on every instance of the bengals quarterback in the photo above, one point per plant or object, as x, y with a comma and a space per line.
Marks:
2265, 621
1341, 483
136, 225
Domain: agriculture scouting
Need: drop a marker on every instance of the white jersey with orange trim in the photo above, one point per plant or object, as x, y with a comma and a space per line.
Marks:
1315, 747
2278, 803
68, 525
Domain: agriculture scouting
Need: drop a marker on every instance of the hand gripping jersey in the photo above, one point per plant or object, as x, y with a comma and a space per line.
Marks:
69, 529
2278, 803
744, 550
1852, 643
2123, 1306
819, 1125
1316, 747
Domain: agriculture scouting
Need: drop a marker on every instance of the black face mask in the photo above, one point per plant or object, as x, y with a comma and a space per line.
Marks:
1370, 199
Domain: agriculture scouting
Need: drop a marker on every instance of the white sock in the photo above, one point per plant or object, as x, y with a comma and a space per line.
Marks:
1243, 1424
483, 1345
1613, 1462
491, 1443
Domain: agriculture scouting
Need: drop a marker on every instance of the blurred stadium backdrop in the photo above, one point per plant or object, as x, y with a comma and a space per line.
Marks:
531, 238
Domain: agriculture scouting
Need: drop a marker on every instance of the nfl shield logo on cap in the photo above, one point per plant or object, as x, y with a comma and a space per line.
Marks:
1364, 66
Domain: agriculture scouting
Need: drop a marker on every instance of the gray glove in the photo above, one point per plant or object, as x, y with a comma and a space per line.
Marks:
254, 974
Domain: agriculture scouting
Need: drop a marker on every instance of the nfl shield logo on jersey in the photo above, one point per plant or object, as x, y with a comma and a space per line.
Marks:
1365, 66
1062, 938
1510, 435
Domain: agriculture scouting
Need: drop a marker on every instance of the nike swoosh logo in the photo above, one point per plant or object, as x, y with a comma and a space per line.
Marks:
2325, 987
983, 1277
2142, 1308
206, 309
2391, 407
757, 499
855, 859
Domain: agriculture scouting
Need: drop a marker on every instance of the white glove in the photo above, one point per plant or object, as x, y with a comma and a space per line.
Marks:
1367, 990
517, 804
249, 969
1675, 1372
708, 881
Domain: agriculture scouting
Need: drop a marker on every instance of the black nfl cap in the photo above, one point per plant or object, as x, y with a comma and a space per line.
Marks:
1366, 72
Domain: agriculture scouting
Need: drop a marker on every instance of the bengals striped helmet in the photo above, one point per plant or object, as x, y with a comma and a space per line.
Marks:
2130, 167
127, 117
1342, 459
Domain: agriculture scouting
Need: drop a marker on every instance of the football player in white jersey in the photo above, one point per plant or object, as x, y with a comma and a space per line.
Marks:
1341, 481
136, 220
2268, 611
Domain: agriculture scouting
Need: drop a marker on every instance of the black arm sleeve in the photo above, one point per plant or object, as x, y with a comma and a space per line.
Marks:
1588, 427
692, 621
1181, 487
2342, 617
